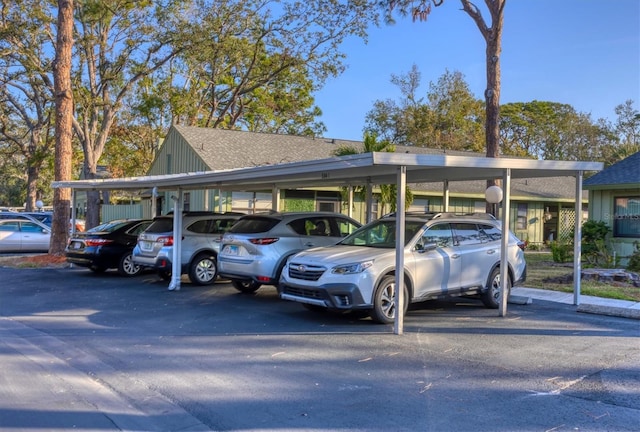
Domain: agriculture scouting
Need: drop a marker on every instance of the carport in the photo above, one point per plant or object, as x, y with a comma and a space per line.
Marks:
364, 170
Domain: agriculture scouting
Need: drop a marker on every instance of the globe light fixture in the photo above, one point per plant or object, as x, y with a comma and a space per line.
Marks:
493, 194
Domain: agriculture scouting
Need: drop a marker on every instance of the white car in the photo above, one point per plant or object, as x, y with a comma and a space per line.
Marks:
23, 235
445, 255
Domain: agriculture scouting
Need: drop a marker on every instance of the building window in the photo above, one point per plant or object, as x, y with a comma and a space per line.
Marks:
521, 216
626, 217
328, 206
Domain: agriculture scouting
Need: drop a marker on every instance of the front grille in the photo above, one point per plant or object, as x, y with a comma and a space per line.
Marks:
303, 292
305, 272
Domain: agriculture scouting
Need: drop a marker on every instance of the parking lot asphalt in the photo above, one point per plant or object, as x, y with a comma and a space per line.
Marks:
102, 352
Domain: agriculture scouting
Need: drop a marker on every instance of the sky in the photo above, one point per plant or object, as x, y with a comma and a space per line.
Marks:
585, 53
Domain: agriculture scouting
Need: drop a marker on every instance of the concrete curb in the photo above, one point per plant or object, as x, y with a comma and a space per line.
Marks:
610, 311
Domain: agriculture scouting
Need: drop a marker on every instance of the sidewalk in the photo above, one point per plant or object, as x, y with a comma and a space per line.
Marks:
588, 304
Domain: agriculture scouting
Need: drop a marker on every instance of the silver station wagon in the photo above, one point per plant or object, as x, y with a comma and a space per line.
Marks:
445, 255
256, 247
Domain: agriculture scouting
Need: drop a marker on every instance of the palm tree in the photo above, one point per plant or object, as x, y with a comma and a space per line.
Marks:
387, 194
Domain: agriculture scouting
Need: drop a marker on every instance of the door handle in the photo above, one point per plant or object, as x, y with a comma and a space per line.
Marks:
455, 256
491, 251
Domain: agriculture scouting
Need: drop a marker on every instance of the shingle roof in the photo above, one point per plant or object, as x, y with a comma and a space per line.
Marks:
623, 173
225, 149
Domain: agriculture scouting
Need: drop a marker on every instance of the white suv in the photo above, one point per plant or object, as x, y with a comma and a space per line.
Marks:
445, 254
201, 235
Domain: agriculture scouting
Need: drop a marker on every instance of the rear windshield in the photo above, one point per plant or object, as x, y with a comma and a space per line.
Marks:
161, 225
108, 227
253, 225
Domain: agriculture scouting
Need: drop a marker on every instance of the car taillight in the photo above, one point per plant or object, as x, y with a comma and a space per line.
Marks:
264, 241
97, 242
522, 245
167, 241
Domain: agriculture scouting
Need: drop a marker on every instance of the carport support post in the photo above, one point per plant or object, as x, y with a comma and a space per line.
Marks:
176, 271
73, 211
401, 187
350, 208
445, 196
577, 239
504, 246
275, 199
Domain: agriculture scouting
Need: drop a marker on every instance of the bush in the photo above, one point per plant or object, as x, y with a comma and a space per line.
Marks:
594, 244
634, 259
561, 252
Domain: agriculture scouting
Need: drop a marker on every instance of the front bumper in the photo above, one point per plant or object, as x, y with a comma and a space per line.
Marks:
338, 297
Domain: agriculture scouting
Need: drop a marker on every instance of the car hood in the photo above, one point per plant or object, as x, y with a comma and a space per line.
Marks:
339, 254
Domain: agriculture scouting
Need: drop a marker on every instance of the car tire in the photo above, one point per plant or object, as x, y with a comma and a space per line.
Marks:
491, 297
164, 274
203, 270
384, 310
245, 286
126, 266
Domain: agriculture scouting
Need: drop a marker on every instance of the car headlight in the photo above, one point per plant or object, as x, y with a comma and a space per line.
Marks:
352, 268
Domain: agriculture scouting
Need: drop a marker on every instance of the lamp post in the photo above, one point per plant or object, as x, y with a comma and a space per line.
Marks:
493, 195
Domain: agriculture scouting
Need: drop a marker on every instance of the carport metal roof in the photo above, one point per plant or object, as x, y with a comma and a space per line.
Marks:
367, 168
374, 168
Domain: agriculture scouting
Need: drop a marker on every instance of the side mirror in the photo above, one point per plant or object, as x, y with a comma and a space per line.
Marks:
422, 248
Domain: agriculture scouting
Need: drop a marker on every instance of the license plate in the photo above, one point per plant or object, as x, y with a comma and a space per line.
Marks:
76, 245
146, 246
231, 250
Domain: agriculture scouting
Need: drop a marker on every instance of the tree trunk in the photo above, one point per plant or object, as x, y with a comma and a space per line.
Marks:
63, 126
493, 38
492, 98
33, 173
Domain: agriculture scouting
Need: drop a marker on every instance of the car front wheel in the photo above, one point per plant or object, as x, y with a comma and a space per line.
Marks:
384, 306
127, 267
203, 270
245, 286
491, 297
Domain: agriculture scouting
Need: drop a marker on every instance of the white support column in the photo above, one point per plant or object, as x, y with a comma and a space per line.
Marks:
154, 202
176, 270
401, 183
220, 207
369, 201
504, 246
445, 196
577, 242
350, 203
73, 211
275, 199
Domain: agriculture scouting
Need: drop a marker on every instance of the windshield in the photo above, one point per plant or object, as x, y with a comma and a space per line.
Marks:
382, 234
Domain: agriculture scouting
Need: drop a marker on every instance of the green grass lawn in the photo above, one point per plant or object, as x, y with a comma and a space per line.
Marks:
543, 273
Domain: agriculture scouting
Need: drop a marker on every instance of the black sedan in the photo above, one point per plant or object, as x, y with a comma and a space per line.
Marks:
107, 246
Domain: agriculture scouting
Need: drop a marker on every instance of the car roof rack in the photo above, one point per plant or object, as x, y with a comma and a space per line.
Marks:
445, 215
448, 215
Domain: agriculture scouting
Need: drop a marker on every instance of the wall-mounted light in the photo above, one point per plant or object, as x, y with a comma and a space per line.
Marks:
547, 215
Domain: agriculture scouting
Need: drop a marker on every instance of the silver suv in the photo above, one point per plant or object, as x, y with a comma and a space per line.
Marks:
201, 234
256, 248
445, 254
